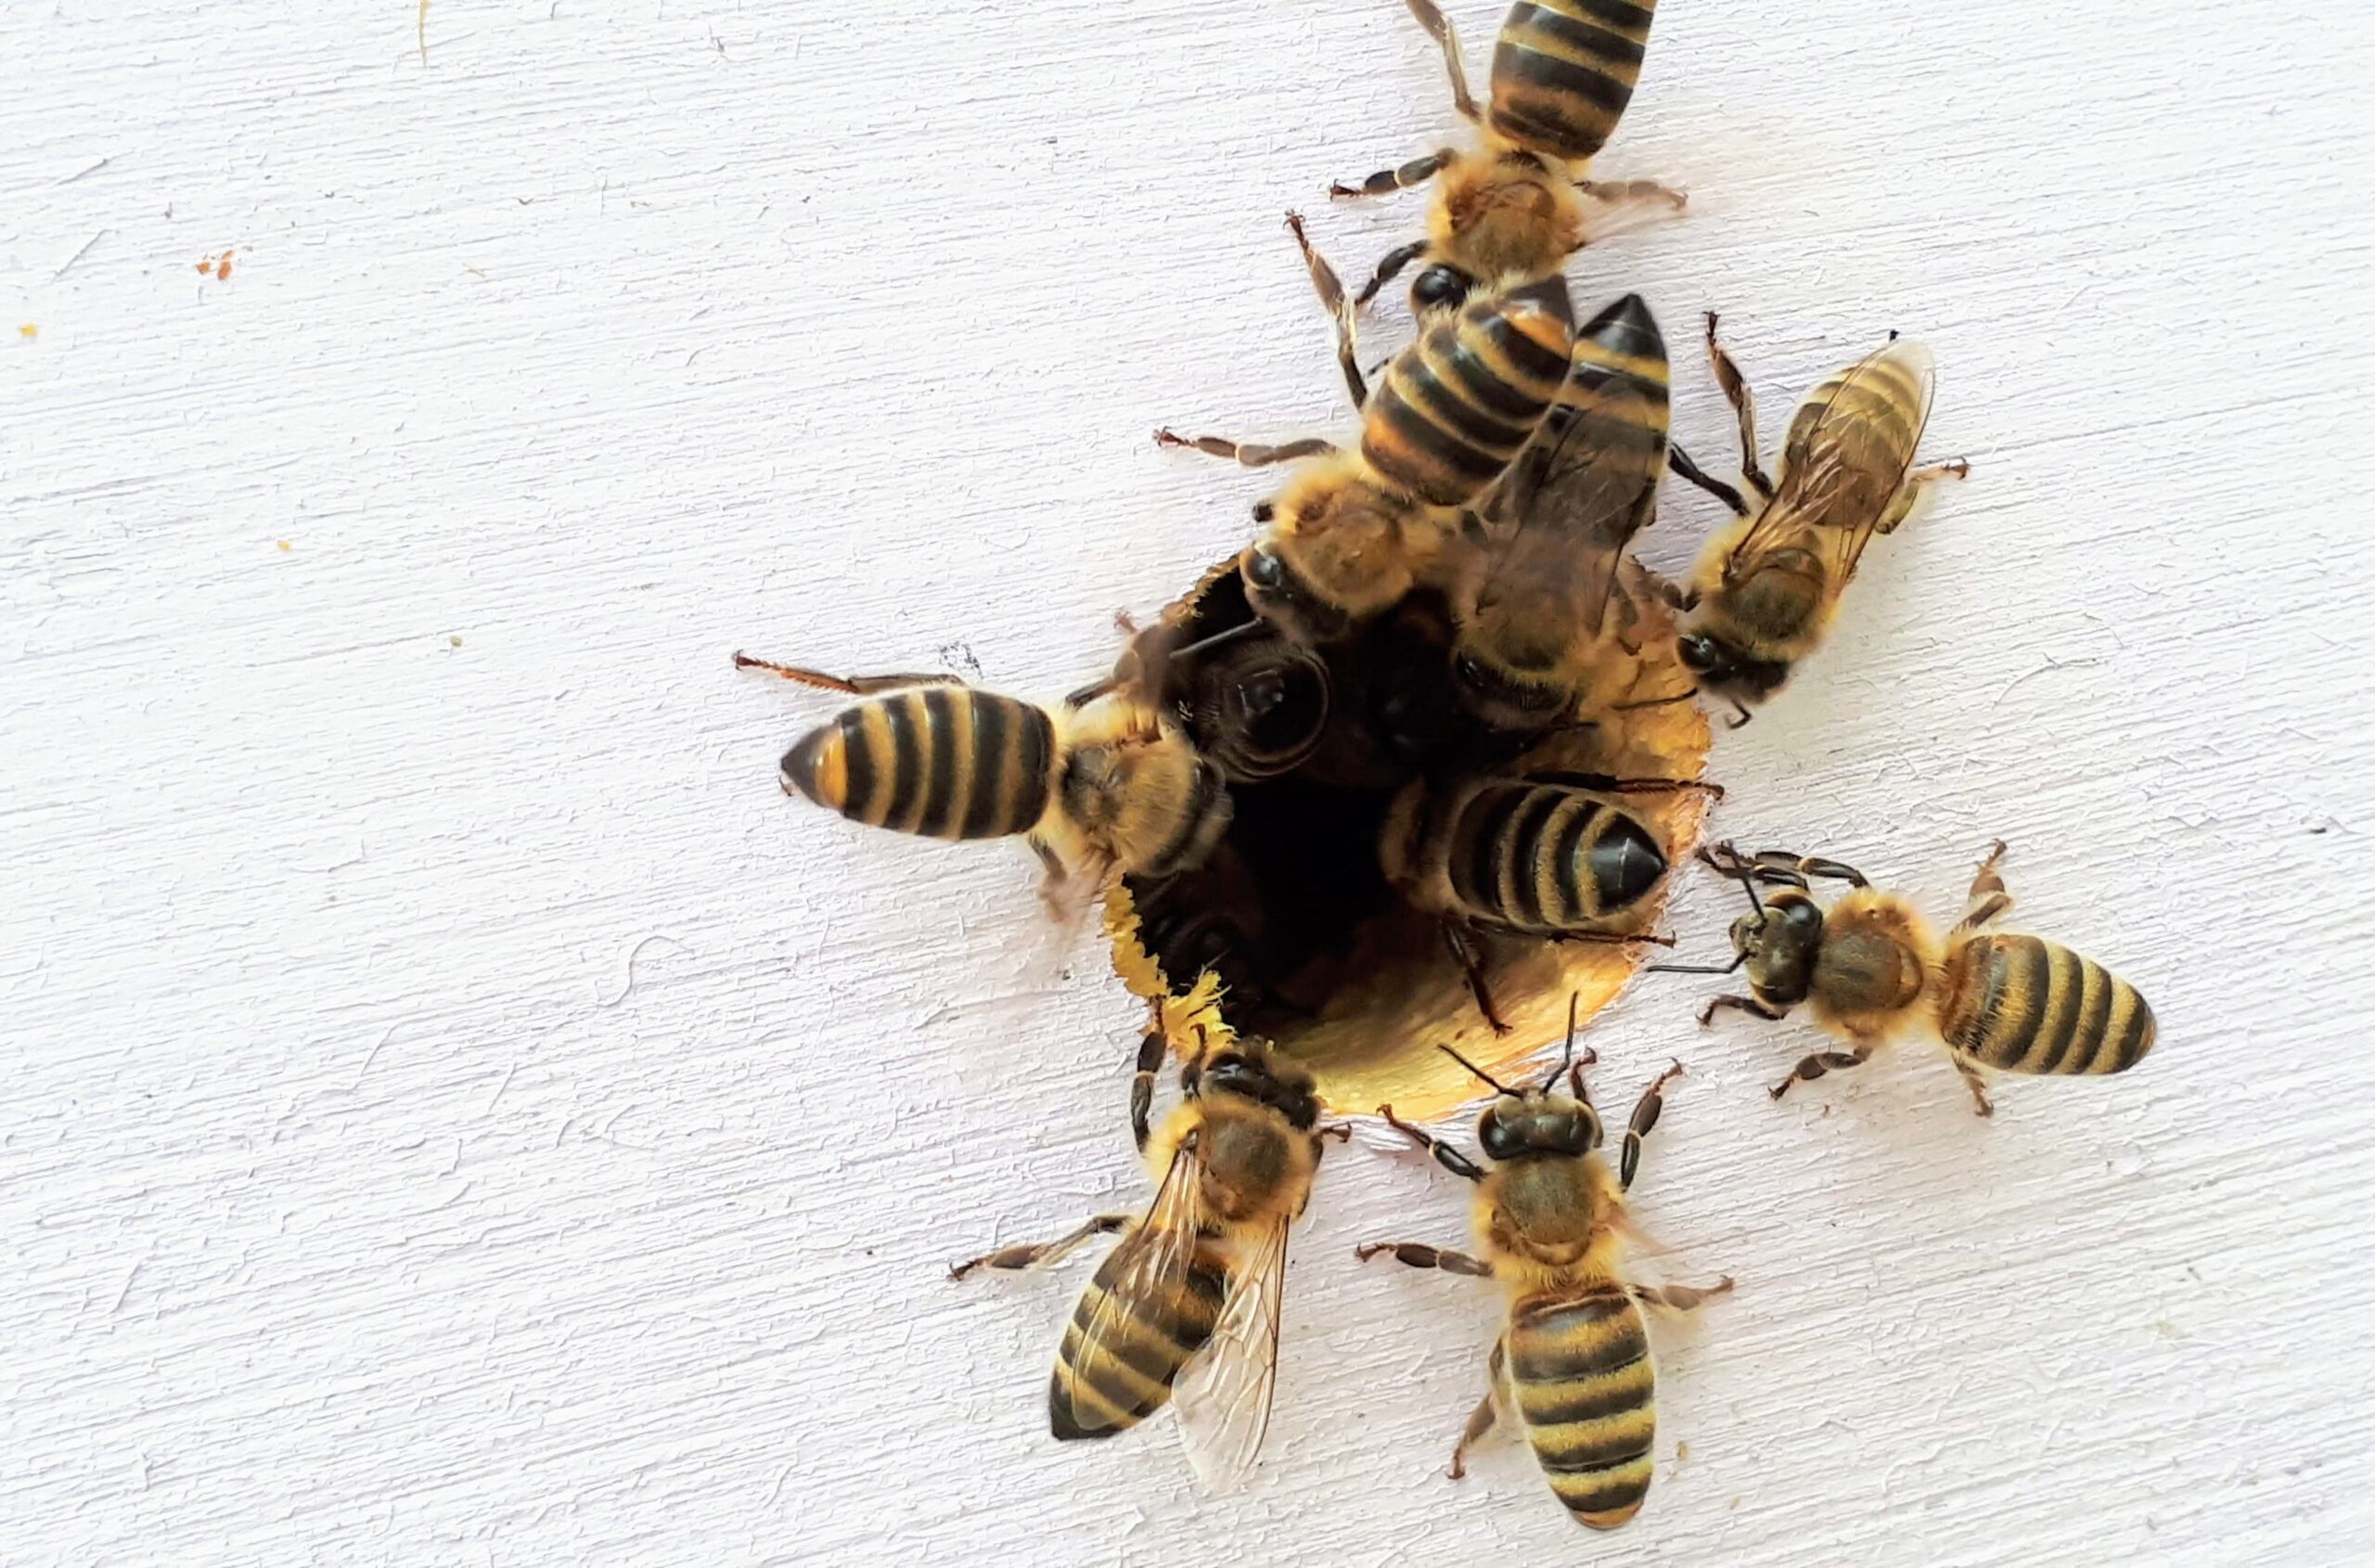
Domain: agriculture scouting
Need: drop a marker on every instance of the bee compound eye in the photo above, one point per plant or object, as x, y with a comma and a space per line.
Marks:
1264, 570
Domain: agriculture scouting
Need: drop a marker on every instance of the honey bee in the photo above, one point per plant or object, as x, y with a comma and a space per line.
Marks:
1573, 1354
1099, 789
1548, 631
1352, 533
1518, 204
1870, 969
1185, 1310
1555, 855
1765, 587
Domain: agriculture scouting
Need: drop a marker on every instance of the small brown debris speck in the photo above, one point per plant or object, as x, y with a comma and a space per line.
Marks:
1682, 1451
454, 641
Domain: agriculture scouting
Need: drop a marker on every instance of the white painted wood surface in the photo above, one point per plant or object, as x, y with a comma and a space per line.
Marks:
453, 1110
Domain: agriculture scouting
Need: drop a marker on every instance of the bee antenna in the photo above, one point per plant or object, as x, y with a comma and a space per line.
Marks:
1566, 1052
1738, 959
1206, 644
1498, 1088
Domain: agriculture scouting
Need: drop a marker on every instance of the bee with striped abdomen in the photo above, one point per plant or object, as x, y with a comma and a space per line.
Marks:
1518, 203
1185, 1310
1547, 622
1353, 530
1573, 1356
1870, 969
1765, 587
1555, 855
1101, 787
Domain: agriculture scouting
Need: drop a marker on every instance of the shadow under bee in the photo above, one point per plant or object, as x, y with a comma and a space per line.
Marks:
1292, 910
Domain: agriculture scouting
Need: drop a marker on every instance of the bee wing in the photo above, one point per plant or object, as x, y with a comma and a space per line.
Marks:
1562, 517
1153, 1263
1224, 1393
1849, 449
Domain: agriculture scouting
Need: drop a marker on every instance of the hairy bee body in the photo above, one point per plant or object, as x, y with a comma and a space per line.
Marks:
1585, 1388
1516, 204
1541, 859
1548, 624
1766, 585
1870, 969
944, 761
1353, 533
2021, 1004
1106, 785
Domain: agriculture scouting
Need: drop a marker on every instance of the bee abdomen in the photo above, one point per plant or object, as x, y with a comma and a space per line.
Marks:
1457, 407
1617, 389
944, 761
1563, 71
1141, 1344
1585, 1388
2023, 1005
1549, 858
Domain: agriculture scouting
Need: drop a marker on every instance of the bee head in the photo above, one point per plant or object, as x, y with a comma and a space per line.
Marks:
1724, 667
1248, 1070
1507, 699
1260, 704
1438, 289
1537, 1122
1778, 943
1280, 596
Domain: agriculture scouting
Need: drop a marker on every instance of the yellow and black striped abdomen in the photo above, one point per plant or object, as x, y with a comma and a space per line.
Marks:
1618, 388
1457, 405
2023, 1005
1563, 71
944, 761
1140, 1344
1547, 858
1586, 1390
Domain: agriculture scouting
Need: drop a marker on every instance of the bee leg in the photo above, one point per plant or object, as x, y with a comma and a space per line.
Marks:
1439, 28
1680, 462
1446, 1155
853, 686
1153, 1047
1609, 784
1628, 192
1389, 267
1820, 1062
1987, 896
1976, 1083
1040, 1254
1917, 484
1385, 181
1331, 290
1251, 453
1471, 965
1778, 868
1680, 1298
1744, 401
1836, 871
1480, 1419
1417, 1255
1744, 1003
1645, 1111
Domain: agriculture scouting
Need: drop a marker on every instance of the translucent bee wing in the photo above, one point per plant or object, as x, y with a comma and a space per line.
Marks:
1849, 449
1223, 1394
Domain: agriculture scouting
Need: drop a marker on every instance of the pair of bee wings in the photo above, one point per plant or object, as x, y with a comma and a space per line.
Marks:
1560, 521
1222, 1393
1844, 462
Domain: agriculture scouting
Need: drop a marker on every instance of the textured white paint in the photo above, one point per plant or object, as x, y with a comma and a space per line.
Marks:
454, 1111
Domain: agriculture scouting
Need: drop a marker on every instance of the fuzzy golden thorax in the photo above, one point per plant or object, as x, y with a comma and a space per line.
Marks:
1500, 212
1549, 1222
1340, 549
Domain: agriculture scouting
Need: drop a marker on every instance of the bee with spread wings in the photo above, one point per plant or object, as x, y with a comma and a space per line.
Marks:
1765, 587
1185, 1310
1546, 615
